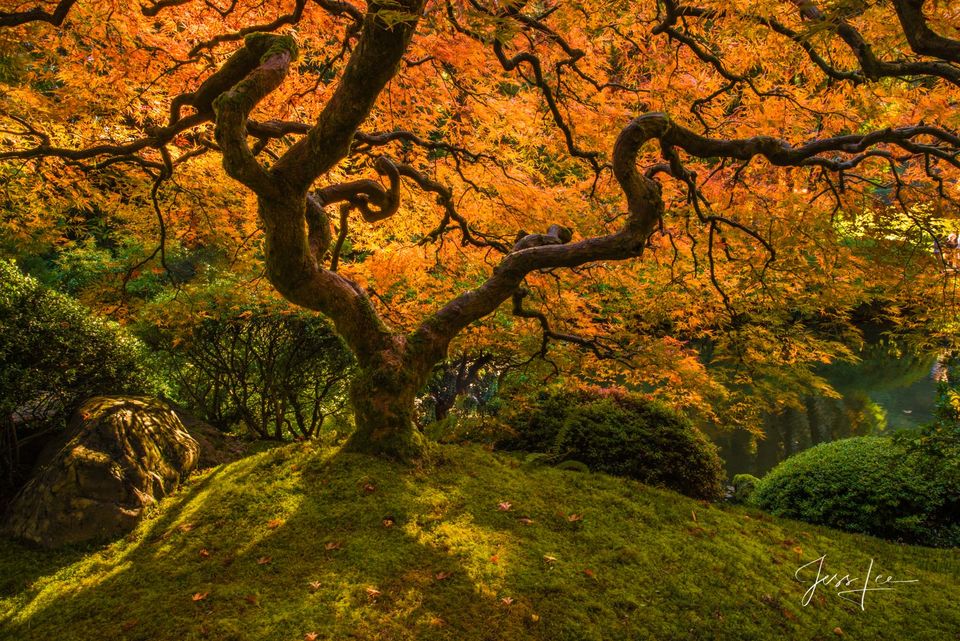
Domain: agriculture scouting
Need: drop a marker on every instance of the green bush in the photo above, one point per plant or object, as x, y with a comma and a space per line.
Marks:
743, 487
280, 374
939, 441
54, 354
866, 484
613, 432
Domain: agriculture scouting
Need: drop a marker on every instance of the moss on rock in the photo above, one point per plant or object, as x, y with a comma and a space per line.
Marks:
119, 455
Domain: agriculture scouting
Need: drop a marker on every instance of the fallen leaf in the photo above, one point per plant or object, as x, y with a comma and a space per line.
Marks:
204, 553
200, 596
252, 599
694, 515
526, 520
549, 559
263, 560
837, 631
310, 636
129, 625
494, 559
505, 506
588, 572
441, 576
534, 617
507, 600
333, 545
315, 585
369, 487
575, 517
185, 527
273, 524
373, 593
388, 522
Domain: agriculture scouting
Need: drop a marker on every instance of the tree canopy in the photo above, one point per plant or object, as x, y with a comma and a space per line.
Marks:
655, 183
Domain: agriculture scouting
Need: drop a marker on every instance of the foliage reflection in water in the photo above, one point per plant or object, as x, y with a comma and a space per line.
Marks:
883, 393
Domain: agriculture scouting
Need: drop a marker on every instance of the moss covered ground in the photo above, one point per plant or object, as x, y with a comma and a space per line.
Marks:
304, 542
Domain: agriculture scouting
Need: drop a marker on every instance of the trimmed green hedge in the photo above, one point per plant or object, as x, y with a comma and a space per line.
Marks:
866, 484
622, 434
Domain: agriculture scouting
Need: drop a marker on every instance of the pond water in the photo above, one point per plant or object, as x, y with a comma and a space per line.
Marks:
880, 395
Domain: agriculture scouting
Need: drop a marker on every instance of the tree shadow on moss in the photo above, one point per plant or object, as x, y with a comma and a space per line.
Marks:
278, 546
21, 564
298, 541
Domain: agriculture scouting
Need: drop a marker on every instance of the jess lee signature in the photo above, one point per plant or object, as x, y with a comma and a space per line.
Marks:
851, 585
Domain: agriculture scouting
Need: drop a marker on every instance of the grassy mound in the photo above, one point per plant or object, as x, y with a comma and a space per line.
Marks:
304, 543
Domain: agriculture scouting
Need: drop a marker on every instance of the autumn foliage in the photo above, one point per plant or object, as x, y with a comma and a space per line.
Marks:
640, 189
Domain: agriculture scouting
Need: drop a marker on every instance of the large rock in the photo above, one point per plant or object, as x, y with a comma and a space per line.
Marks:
118, 455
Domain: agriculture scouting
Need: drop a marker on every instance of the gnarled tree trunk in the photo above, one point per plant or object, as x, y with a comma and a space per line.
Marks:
383, 406
393, 367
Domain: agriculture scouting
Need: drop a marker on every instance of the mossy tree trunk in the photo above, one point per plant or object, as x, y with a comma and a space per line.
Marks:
383, 399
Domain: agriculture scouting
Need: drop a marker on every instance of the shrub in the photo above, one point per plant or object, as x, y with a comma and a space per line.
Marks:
278, 373
54, 354
743, 487
866, 484
939, 441
621, 434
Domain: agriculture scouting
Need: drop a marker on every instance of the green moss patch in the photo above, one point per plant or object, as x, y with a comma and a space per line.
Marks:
301, 541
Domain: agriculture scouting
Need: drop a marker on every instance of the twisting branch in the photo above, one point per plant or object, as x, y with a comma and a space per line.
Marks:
645, 205
509, 64
645, 208
918, 34
921, 37
234, 70
469, 235
674, 11
873, 67
601, 351
233, 106
339, 8
157, 139
38, 14
290, 18
512, 63
341, 235
361, 194
374, 62
295, 224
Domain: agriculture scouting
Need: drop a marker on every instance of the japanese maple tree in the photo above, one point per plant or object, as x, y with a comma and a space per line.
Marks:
725, 139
